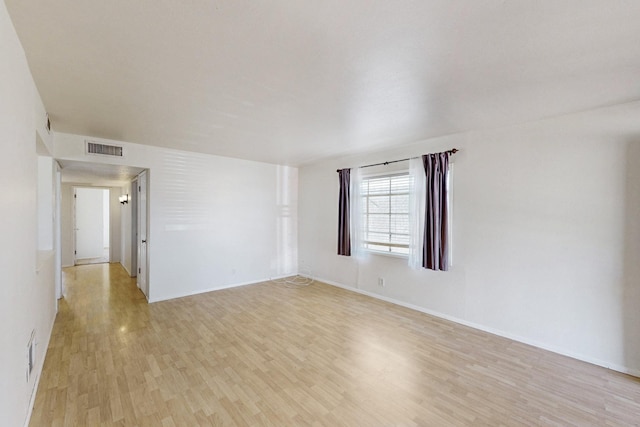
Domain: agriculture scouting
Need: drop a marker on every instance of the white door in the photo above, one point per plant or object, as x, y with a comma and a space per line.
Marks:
142, 233
89, 226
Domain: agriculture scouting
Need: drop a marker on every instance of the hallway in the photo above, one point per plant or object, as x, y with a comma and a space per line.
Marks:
91, 351
269, 354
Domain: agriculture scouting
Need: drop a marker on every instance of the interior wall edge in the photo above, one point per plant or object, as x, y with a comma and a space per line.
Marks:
220, 288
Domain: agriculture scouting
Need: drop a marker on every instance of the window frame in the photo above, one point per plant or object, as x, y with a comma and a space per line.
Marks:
365, 215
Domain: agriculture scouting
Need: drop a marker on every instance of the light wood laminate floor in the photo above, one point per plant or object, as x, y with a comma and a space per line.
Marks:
270, 354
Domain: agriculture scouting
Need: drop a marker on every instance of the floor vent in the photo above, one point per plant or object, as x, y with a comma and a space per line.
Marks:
103, 149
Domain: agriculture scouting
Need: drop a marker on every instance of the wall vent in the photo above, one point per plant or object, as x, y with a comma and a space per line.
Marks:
98, 149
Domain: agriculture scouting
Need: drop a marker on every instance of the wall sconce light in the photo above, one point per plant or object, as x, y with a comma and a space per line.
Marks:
124, 199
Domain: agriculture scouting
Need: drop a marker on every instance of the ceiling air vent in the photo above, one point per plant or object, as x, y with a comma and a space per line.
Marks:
103, 149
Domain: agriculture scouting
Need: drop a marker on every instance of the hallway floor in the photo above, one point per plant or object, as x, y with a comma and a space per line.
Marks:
269, 354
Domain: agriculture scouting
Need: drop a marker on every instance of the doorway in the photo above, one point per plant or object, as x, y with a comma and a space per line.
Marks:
91, 225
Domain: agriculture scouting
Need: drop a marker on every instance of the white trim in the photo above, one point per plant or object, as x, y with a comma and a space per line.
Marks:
233, 285
534, 343
125, 269
387, 254
385, 174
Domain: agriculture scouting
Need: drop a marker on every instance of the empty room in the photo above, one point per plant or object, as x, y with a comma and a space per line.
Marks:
279, 213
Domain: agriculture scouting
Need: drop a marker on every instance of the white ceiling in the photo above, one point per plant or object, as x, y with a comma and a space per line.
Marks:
97, 174
287, 81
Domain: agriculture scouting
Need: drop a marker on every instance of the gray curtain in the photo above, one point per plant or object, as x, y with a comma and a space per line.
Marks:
435, 255
344, 233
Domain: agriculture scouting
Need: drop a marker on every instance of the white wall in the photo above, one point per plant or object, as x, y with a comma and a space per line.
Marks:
27, 297
115, 224
546, 235
214, 221
45, 206
66, 225
89, 209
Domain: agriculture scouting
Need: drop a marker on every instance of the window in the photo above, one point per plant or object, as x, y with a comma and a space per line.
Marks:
385, 213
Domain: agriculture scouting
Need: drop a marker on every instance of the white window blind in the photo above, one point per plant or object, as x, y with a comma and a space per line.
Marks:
385, 213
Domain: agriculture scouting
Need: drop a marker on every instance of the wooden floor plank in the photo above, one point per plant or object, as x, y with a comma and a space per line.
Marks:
269, 354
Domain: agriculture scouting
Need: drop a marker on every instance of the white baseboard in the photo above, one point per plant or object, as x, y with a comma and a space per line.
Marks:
219, 288
125, 268
544, 346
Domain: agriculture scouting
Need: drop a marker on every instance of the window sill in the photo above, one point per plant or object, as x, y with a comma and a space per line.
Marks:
387, 254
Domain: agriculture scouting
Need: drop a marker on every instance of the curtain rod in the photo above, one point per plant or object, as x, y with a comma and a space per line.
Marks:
452, 151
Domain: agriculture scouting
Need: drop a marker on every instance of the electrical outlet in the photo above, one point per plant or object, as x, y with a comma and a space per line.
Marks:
381, 281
